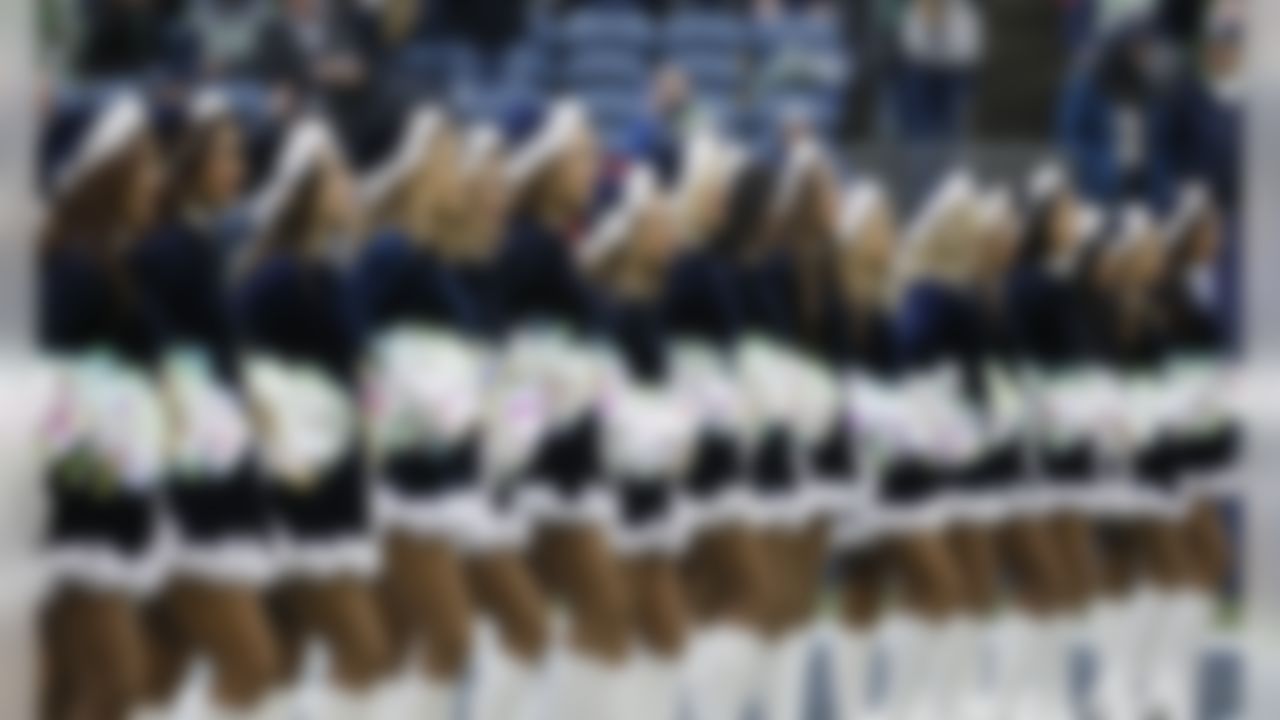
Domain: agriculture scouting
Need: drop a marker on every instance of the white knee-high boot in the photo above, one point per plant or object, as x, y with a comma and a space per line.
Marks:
722, 670
786, 674
904, 638
504, 685
850, 653
582, 687
1176, 650
649, 687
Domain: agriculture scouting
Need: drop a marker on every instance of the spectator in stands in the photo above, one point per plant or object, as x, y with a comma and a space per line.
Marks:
1203, 143
1113, 114
490, 26
1203, 139
225, 33
335, 52
940, 43
123, 38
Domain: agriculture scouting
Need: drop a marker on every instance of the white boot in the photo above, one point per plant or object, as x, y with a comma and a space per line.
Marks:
1172, 692
964, 689
649, 688
503, 687
850, 650
583, 688
1114, 641
787, 671
722, 670
425, 698
276, 706
904, 638
382, 701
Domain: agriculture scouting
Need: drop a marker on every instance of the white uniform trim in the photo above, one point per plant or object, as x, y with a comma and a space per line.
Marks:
468, 518
99, 566
356, 555
542, 503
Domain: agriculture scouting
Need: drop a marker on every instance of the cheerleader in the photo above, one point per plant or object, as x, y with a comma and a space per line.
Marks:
1205, 439
718, 203
212, 607
424, 399
1145, 562
648, 434
496, 534
1071, 411
104, 433
300, 339
805, 209
934, 331
864, 253
551, 354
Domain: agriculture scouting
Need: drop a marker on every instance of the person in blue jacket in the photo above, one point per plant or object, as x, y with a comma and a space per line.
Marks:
301, 338
104, 430
213, 605
553, 328
1113, 114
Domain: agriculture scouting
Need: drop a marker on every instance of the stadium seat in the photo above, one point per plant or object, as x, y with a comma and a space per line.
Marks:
707, 30
618, 27
716, 74
610, 67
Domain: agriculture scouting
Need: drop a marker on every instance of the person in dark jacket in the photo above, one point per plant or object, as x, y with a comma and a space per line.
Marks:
213, 605
104, 433
1113, 113
300, 330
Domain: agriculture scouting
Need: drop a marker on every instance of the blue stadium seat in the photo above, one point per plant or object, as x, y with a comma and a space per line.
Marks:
611, 26
612, 109
609, 67
707, 30
435, 65
529, 63
716, 74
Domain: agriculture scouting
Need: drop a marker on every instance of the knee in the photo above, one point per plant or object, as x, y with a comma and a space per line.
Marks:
449, 648
248, 675
603, 619
122, 682
663, 631
525, 631
362, 660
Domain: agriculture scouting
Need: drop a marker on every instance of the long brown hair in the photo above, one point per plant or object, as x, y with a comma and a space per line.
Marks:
295, 230
186, 169
88, 216
812, 248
